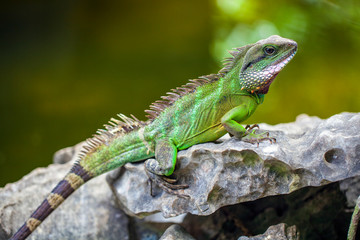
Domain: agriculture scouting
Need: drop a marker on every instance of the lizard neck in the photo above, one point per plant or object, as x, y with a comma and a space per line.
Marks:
259, 98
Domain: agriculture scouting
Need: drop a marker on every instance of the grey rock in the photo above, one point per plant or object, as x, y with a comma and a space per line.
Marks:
175, 232
159, 218
67, 154
278, 232
142, 230
351, 188
317, 213
308, 152
90, 213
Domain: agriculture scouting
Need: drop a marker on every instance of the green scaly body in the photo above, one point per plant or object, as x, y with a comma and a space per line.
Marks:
197, 123
200, 111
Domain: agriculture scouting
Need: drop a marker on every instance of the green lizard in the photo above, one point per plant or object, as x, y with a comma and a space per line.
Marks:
203, 110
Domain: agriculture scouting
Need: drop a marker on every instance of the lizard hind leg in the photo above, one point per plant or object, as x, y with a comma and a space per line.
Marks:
164, 165
165, 155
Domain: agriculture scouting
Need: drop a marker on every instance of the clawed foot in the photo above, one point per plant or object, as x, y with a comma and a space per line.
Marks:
167, 184
249, 127
256, 138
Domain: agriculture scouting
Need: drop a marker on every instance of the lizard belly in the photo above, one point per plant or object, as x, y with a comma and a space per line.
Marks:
208, 127
210, 134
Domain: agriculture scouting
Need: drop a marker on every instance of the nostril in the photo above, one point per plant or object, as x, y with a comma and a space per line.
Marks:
335, 156
292, 45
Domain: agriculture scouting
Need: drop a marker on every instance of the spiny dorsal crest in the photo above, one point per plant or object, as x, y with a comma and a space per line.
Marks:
158, 106
230, 62
117, 128
114, 129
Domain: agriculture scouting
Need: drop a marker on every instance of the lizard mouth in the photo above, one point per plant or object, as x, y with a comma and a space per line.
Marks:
260, 81
273, 70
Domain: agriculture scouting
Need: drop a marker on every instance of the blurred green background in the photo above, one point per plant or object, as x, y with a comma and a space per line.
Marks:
68, 67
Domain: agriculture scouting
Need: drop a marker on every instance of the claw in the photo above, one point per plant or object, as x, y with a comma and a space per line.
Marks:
248, 127
169, 180
167, 184
257, 138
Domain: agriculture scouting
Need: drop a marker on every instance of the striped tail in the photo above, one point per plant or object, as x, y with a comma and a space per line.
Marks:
96, 155
72, 181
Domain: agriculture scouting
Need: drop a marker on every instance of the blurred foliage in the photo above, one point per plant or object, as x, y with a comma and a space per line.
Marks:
67, 67
323, 79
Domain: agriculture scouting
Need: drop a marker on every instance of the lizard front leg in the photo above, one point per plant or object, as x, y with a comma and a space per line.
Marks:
164, 165
231, 120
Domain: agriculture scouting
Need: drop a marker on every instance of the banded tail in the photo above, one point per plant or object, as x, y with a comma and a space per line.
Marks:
72, 181
94, 159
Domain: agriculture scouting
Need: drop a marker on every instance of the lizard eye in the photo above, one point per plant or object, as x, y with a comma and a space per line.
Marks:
269, 50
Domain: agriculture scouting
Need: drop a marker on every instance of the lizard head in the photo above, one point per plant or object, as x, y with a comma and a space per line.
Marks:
263, 61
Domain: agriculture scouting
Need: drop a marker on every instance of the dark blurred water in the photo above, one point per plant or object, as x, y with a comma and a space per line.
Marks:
66, 68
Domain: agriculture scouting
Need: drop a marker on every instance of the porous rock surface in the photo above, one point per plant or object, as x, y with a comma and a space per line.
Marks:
90, 213
351, 188
175, 232
278, 232
308, 152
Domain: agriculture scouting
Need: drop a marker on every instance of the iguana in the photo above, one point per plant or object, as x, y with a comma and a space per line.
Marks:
203, 110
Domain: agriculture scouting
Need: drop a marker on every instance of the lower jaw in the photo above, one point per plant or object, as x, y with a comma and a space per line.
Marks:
265, 88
